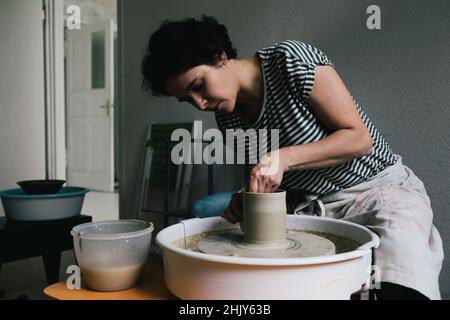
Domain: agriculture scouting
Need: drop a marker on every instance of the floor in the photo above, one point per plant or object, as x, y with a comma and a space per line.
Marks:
26, 278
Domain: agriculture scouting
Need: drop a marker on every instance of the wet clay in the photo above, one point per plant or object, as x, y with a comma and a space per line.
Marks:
265, 218
111, 279
265, 233
191, 242
297, 244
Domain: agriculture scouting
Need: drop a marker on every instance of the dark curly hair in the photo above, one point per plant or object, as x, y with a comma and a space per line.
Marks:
178, 46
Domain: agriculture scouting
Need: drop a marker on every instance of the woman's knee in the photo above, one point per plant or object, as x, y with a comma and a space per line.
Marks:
210, 206
393, 291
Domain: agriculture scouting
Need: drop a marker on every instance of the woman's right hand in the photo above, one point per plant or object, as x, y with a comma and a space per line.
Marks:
233, 213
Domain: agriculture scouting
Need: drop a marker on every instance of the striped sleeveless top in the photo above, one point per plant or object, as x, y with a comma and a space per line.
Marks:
288, 74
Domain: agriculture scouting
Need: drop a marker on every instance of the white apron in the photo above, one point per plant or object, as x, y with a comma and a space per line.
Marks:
395, 205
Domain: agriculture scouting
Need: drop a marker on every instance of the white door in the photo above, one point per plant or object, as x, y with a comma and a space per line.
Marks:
90, 116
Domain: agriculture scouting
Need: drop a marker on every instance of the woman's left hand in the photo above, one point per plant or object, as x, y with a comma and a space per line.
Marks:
267, 175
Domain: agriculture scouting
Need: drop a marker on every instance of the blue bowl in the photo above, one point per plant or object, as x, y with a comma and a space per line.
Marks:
40, 207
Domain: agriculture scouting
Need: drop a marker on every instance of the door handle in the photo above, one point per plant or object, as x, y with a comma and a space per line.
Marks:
108, 106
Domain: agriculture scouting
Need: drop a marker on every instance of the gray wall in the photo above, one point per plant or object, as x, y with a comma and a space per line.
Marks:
399, 74
22, 131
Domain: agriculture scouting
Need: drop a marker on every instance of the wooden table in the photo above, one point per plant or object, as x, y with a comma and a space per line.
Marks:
151, 287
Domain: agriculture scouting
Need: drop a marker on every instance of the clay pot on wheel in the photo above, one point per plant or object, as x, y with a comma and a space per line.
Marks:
264, 218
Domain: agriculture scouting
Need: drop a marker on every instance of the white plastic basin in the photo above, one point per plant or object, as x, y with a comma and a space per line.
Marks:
199, 276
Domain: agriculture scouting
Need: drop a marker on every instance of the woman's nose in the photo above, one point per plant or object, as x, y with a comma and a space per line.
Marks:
200, 102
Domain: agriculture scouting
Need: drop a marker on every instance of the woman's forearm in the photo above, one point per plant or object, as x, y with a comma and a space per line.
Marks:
339, 147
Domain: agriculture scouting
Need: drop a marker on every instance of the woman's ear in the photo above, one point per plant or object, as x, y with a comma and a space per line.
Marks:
223, 59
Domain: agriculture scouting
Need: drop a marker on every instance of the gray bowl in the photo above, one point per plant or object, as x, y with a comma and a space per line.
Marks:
24, 207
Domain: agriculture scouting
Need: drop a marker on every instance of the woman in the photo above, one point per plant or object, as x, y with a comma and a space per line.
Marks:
331, 157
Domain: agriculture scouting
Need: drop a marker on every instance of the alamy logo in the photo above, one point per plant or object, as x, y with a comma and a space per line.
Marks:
374, 20
73, 21
74, 280
375, 277
229, 150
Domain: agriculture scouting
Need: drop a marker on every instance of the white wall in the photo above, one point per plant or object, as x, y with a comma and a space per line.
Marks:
22, 115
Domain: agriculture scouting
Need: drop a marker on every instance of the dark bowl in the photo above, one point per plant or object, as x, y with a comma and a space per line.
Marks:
41, 186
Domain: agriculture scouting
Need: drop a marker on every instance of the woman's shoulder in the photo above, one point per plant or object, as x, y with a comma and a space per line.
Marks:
296, 50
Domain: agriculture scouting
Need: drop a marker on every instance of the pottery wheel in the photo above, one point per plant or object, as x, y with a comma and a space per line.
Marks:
298, 244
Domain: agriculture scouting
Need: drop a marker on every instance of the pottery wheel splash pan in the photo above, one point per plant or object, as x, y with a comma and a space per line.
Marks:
25, 207
190, 274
